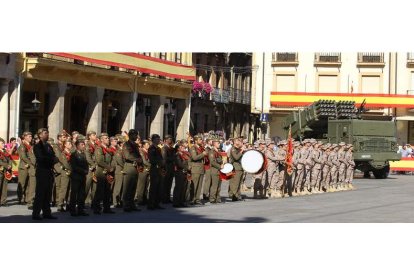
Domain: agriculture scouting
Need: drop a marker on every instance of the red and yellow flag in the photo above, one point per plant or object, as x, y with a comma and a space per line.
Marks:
289, 154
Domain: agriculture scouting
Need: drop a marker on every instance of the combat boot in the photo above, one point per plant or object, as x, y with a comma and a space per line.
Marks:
351, 187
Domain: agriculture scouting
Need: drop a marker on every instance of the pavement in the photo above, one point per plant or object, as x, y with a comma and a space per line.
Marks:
374, 200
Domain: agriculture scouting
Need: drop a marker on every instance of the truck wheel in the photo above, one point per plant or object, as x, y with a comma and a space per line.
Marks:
367, 175
381, 174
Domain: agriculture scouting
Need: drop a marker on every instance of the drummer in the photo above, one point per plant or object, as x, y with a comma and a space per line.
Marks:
216, 164
260, 178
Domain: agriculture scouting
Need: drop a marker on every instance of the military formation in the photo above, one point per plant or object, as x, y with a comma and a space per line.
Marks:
76, 173
316, 168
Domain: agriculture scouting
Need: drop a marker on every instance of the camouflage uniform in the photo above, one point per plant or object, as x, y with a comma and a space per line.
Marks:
350, 167
342, 167
326, 169
333, 158
272, 171
317, 159
281, 157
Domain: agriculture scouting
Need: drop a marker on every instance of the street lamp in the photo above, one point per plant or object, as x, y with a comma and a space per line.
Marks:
36, 104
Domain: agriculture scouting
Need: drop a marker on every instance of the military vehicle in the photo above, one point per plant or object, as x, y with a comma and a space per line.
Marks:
374, 141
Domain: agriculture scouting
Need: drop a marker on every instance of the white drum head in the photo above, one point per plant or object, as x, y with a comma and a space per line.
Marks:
252, 161
228, 168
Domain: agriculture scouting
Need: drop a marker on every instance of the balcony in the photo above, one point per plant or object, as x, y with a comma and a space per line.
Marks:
410, 60
285, 59
371, 59
327, 59
231, 96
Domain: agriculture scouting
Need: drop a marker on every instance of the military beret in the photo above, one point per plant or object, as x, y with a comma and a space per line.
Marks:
103, 134
26, 133
90, 132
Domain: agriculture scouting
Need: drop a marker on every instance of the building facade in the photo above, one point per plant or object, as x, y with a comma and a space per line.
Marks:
286, 81
227, 107
105, 92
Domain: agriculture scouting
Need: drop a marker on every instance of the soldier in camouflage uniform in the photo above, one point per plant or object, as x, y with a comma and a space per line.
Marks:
309, 165
317, 159
296, 151
281, 159
342, 166
326, 168
350, 166
333, 158
272, 167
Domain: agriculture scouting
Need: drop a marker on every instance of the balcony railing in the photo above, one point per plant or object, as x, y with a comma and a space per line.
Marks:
230, 96
281, 58
371, 58
410, 59
327, 57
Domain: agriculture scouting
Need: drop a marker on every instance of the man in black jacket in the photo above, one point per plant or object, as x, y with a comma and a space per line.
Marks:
45, 158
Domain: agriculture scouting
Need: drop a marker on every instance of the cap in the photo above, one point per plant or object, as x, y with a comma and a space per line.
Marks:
90, 132
334, 146
26, 133
81, 137
197, 137
320, 143
262, 142
75, 132
103, 134
342, 144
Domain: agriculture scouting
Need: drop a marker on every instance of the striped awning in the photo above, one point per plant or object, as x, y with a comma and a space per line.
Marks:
141, 63
299, 99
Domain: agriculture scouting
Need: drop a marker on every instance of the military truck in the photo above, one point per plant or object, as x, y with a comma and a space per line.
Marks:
374, 140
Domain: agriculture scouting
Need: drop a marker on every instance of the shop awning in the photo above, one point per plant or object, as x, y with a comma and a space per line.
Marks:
141, 63
298, 99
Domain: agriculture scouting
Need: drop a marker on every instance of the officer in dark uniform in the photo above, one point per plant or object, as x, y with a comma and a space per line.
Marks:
182, 174
80, 169
104, 166
168, 154
45, 160
130, 152
157, 169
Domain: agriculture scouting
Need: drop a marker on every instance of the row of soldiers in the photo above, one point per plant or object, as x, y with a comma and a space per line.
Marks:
315, 168
122, 171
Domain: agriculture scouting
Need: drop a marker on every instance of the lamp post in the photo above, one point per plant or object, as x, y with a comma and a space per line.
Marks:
36, 104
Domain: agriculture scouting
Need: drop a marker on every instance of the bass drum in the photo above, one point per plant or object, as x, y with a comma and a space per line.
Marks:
253, 161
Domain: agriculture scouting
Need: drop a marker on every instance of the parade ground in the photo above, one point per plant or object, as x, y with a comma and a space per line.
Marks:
373, 200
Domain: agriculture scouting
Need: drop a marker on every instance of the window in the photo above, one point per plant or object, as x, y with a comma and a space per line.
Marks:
163, 55
177, 57
371, 84
327, 83
284, 83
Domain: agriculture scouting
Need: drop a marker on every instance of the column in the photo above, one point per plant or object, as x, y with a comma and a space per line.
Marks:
14, 109
183, 118
129, 103
4, 108
157, 116
57, 91
95, 95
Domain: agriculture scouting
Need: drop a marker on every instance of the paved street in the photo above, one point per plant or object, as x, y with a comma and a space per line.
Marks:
390, 200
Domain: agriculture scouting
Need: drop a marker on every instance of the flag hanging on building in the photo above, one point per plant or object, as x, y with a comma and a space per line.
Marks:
289, 155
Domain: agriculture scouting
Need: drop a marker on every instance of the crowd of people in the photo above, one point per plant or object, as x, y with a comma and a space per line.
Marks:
77, 172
